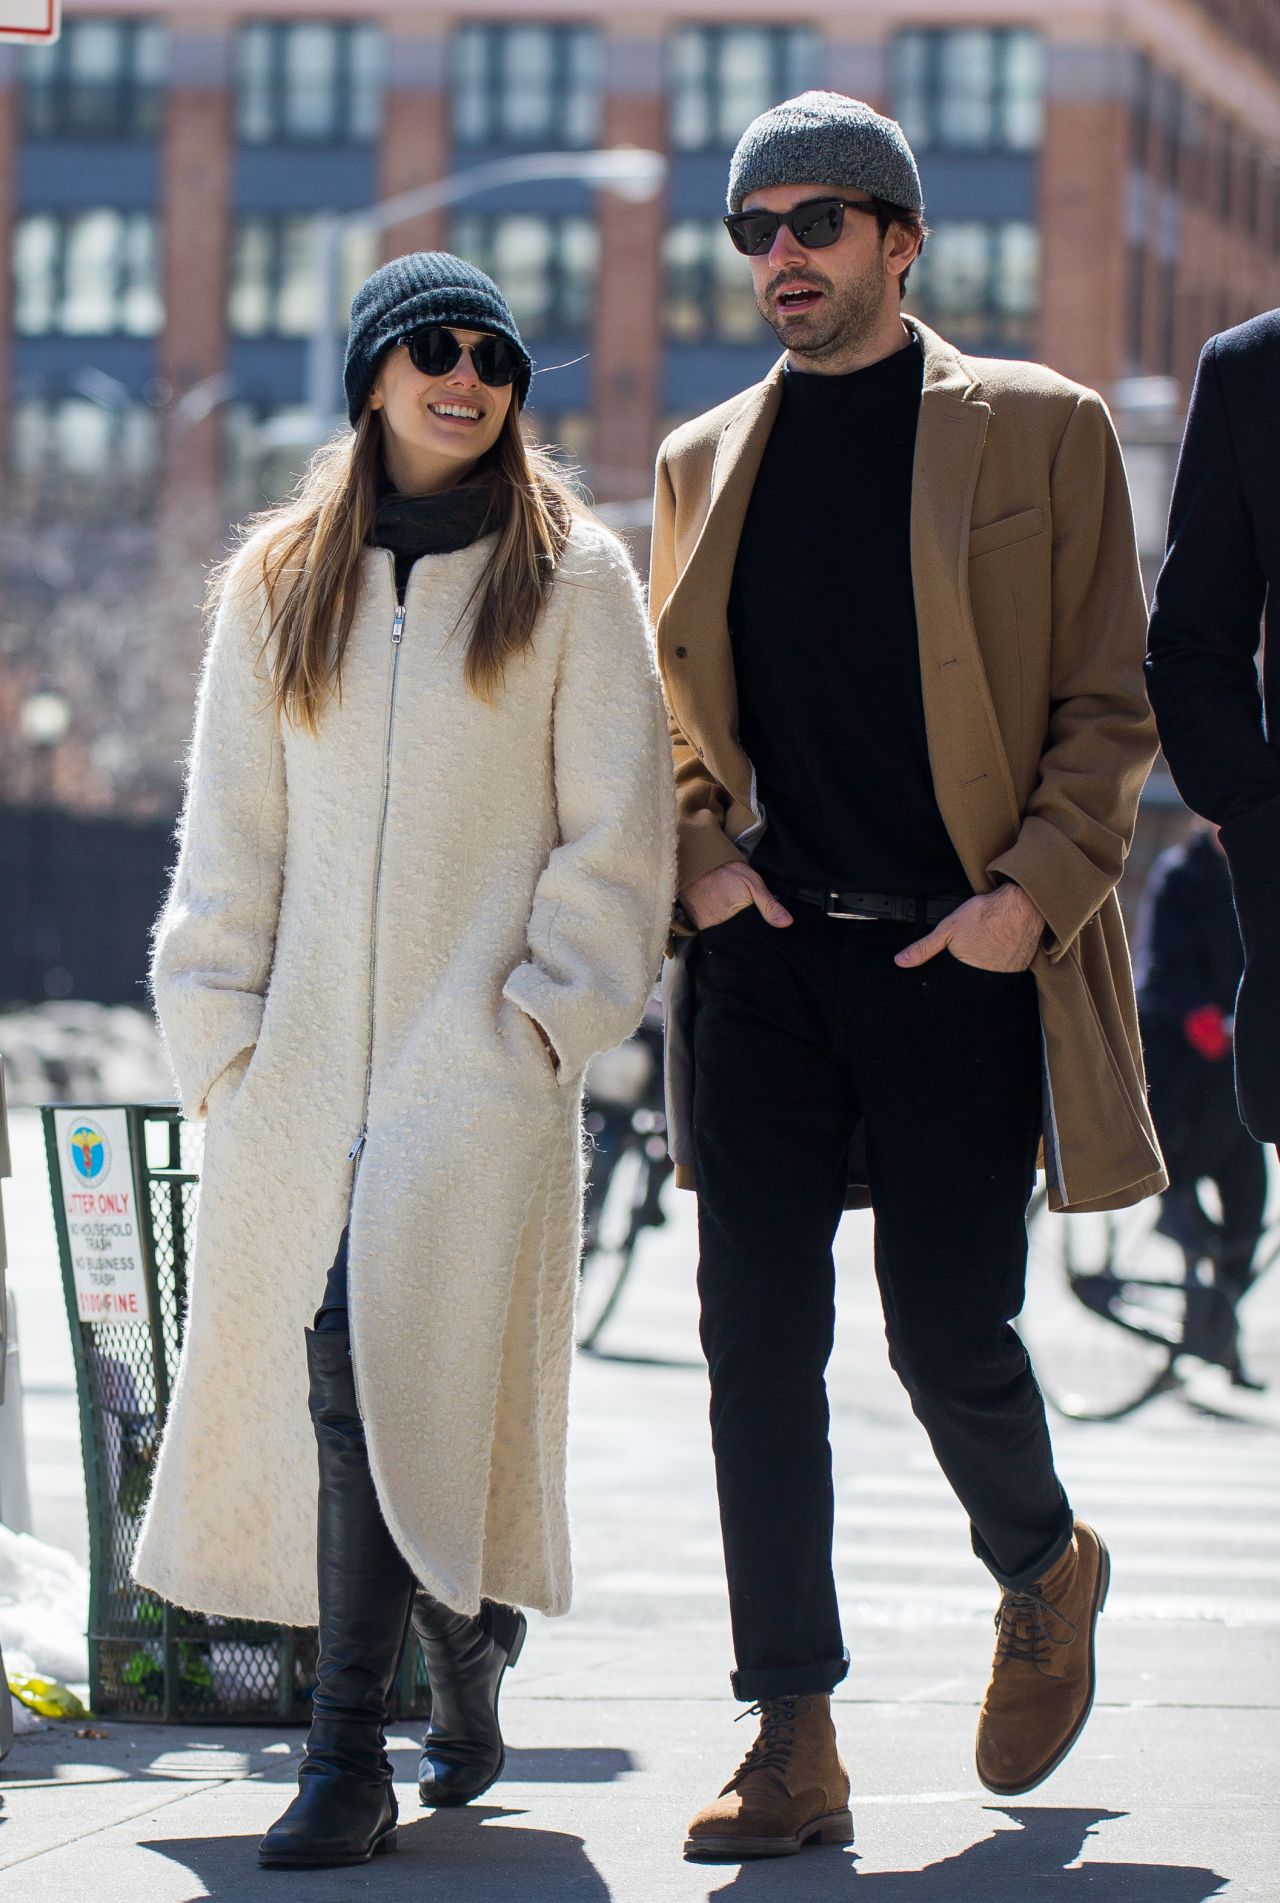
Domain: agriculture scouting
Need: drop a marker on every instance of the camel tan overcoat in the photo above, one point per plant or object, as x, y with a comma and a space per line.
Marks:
1031, 627
362, 924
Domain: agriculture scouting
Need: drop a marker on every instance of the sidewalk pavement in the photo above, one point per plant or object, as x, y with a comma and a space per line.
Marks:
619, 1722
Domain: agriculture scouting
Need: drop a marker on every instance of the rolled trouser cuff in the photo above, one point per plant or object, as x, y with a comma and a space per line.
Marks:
755, 1685
1044, 1562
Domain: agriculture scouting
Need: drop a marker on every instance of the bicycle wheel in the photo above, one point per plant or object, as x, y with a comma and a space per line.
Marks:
1105, 1309
607, 1259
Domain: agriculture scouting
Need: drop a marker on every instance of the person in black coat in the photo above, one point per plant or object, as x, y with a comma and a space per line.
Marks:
1188, 972
1221, 736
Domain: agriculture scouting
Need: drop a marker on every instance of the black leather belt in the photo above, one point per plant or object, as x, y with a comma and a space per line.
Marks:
896, 908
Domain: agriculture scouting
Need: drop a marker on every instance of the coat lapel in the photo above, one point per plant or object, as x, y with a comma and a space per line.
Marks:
698, 604
970, 770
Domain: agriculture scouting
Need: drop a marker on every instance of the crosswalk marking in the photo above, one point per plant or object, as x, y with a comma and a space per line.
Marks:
907, 1602
947, 1519
1193, 1525
1136, 1493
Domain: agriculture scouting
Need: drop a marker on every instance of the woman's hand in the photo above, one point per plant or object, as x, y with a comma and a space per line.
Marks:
547, 1045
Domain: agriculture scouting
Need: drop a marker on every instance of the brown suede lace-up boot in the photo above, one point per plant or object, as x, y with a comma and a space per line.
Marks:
791, 1788
1042, 1681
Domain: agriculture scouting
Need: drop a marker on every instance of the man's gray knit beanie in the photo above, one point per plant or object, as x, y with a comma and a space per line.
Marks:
823, 138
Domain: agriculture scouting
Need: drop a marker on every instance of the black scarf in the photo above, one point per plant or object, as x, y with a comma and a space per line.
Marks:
411, 526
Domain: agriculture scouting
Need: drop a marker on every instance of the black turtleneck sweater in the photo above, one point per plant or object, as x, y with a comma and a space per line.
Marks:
822, 614
412, 526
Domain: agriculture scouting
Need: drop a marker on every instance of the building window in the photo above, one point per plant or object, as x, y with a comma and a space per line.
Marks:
526, 86
545, 266
86, 274
709, 294
67, 448
102, 80
979, 282
971, 89
723, 76
275, 276
308, 83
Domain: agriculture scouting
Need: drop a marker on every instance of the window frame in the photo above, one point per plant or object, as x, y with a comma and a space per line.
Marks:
128, 222
794, 51
349, 77
137, 99
473, 235
923, 117
714, 272
992, 321
357, 258
565, 41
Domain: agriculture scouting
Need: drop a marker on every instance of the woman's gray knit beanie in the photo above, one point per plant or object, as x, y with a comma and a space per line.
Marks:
423, 287
821, 138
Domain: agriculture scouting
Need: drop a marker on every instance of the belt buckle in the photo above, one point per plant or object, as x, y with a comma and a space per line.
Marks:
868, 917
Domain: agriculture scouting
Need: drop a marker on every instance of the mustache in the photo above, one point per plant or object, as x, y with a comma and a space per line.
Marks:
796, 280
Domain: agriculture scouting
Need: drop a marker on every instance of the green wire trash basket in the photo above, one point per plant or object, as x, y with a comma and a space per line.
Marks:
124, 1180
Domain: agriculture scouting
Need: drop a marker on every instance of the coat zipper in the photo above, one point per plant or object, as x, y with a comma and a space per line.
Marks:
397, 636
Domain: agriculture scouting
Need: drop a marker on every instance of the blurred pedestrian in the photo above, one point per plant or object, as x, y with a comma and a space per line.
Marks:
1220, 734
425, 875
1188, 969
900, 622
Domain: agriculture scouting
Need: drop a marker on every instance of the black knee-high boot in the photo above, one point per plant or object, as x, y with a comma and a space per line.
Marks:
345, 1810
463, 1752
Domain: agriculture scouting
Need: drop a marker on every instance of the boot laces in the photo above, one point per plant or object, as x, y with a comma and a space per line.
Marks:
1025, 1629
771, 1751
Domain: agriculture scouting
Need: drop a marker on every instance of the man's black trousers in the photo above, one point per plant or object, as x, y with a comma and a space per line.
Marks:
799, 1032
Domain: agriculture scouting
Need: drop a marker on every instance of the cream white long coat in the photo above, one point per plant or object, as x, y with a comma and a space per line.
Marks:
345, 946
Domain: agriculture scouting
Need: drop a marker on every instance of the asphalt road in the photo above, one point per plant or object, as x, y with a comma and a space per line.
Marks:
619, 1720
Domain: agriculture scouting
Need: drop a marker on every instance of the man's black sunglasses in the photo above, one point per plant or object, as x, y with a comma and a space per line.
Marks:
435, 350
815, 224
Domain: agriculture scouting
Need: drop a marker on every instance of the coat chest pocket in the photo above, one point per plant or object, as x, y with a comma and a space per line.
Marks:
1006, 533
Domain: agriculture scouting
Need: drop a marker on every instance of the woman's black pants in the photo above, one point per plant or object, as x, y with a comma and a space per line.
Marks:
800, 1033
331, 1316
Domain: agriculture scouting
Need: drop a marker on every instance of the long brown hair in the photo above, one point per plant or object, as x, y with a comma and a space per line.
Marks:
308, 552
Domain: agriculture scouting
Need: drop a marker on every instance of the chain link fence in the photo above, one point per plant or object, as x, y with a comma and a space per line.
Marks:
125, 1229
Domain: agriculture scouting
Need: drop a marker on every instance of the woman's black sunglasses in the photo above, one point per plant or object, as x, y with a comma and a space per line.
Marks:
815, 224
435, 350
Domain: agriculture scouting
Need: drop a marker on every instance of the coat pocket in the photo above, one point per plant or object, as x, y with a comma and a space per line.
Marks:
229, 1082
1004, 533
521, 1036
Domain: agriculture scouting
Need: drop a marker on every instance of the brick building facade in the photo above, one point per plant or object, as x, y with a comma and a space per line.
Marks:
1102, 178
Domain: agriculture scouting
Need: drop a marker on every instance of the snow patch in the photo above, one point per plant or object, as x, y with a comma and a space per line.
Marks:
44, 1609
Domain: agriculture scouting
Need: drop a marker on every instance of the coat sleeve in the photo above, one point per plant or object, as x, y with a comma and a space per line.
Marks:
215, 938
1206, 622
1079, 820
701, 802
602, 905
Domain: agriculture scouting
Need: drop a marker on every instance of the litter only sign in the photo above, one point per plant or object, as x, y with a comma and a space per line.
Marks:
30, 22
100, 1202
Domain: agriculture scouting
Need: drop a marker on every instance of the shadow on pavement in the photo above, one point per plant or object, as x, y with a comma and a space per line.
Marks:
112, 1750
1009, 1867
446, 1854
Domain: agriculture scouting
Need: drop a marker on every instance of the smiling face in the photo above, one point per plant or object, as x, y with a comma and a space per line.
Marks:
838, 306
435, 429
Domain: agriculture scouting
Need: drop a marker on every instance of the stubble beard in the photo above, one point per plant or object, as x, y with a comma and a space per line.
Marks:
846, 318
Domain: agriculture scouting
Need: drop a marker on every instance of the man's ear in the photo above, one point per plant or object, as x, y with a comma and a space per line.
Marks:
896, 238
